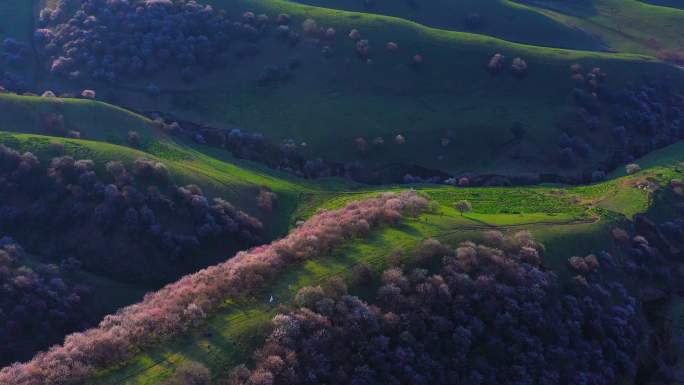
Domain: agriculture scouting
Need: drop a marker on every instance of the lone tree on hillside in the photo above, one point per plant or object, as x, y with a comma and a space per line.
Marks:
632, 168
496, 64
463, 206
519, 67
190, 373
133, 138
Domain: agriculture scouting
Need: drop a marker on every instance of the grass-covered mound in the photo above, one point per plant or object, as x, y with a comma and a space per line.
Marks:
85, 118
324, 92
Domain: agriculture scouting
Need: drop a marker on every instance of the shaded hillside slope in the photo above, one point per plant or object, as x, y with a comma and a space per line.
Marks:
445, 99
506, 20
624, 26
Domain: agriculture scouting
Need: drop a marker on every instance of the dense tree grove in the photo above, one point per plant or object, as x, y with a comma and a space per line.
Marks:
184, 304
116, 39
491, 315
38, 304
636, 120
647, 118
15, 53
72, 208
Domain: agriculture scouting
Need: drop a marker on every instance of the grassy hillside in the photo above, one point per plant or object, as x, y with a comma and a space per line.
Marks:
104, 128
569, 222
665, 3
233, 333
503, 19
330, 102
625, 25
93, 120
236, 182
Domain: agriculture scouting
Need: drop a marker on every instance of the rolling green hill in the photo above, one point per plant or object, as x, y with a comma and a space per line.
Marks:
233, 333
506, 20
624, 25
604, 25
238, 182
331, 101
104, 128
93, 120
665, 3
568, 221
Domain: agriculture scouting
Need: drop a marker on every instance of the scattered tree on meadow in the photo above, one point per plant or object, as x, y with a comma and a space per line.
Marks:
632, 168
54, 124
399, 139
190, 373
496, 64
310, 27
361, 145
266, 200
133, 138
88, 94
519, 67
463, 206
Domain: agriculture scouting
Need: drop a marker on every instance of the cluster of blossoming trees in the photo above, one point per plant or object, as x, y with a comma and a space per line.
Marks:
491, 315
39, 303
179, 306
75, 208
111, 39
